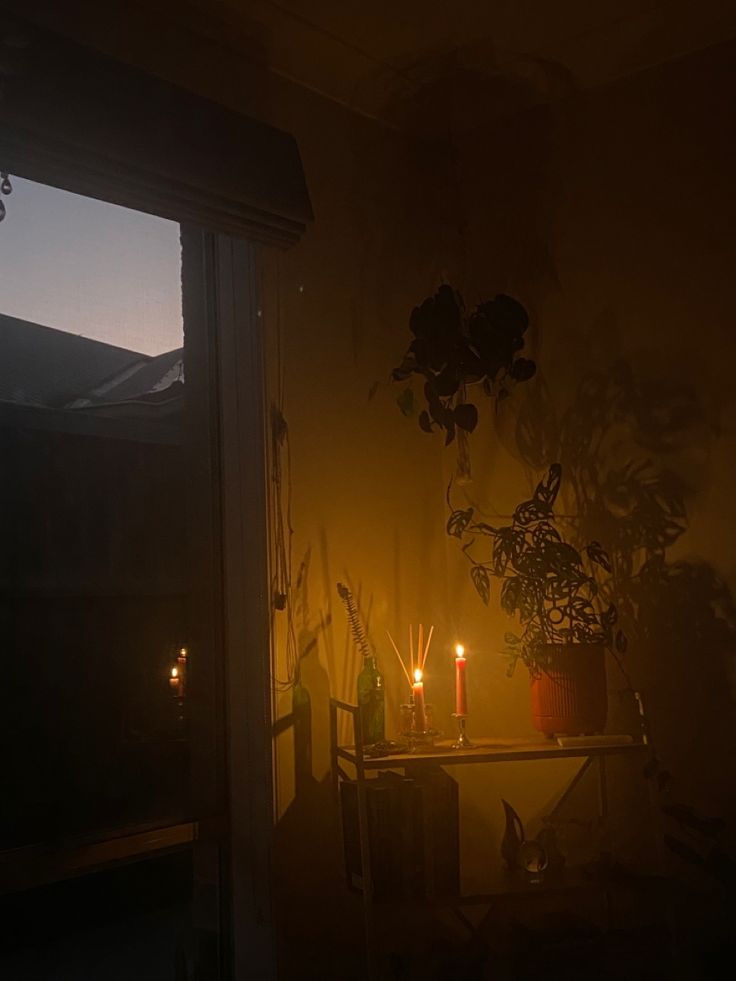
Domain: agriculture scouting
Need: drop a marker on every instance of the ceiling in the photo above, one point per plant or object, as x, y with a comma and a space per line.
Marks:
434, 66
463, 60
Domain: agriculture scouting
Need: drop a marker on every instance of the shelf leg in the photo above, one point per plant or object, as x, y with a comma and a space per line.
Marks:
366, 873
602, 790
334, 777
603, 828
570, 789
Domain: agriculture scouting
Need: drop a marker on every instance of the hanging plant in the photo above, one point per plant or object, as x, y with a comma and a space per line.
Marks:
452, 349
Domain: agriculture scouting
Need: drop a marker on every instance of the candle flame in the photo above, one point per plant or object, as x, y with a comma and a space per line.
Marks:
418, 674
459, 650
174, 672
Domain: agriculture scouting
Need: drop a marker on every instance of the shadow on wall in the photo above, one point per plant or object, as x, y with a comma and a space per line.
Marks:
319, 921
305, 861
634, 451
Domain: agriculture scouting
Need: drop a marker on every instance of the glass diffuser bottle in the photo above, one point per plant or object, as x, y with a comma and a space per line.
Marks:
371, 702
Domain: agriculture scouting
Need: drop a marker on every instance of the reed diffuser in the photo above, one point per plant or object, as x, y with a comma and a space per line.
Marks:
417, 725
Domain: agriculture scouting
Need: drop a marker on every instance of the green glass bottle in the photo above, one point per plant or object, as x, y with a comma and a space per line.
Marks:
371, 702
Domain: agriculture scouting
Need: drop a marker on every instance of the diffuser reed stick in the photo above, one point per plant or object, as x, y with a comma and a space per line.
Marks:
401, 660
426, 649
416, 663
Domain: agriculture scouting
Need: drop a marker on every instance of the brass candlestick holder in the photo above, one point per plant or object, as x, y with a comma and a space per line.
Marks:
462, 741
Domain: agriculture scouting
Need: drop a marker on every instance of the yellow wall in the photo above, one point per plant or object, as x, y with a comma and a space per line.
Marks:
609, 215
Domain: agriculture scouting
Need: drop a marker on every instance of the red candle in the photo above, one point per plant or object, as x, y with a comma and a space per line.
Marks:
420, 720
461, 695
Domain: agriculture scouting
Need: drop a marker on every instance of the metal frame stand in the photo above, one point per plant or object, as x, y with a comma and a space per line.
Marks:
445, 755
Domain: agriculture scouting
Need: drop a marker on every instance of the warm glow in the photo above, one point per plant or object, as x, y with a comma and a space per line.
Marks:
418, 674
183, 652
174, 672
459, 650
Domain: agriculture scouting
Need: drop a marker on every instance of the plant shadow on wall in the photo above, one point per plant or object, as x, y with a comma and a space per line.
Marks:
625, 443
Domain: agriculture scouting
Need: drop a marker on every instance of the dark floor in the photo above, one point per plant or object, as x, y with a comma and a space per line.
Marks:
126, 924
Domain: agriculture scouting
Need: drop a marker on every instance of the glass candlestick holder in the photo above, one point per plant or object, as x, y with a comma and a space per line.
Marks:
417, 739
406, 719
462, 741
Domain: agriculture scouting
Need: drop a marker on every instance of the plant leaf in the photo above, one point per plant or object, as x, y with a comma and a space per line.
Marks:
510, 595
425, 422
482, 582
609, 616
405, 401
596, 553
466, 416
523, 369
459, 521
547, 489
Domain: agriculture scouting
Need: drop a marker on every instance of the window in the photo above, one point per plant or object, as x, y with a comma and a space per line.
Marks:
118, 762
108, 582
95, 585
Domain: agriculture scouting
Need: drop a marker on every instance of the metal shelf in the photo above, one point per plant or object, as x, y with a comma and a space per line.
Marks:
484, 751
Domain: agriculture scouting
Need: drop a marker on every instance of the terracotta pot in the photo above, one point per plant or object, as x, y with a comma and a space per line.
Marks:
569, 696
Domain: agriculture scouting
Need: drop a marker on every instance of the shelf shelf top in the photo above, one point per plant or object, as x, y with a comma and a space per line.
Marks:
492, 751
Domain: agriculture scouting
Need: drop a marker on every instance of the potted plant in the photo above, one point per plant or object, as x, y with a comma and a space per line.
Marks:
453, 348
559, 595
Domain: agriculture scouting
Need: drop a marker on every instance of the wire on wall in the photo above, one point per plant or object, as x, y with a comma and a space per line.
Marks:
282, 531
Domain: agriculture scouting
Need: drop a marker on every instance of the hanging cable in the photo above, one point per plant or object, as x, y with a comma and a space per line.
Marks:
282, 531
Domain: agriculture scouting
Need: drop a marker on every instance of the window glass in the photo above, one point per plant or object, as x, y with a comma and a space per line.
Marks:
97, 581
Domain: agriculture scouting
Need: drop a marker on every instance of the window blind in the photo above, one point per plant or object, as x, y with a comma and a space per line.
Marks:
92, 125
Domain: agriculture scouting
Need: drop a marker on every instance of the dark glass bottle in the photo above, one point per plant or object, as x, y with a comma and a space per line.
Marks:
371, 702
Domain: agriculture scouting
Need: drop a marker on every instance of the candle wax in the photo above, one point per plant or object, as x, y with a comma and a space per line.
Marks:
461, 695
420, 721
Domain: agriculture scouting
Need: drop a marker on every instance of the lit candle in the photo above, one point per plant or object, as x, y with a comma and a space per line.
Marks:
174, 681
420, 720
461, 695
